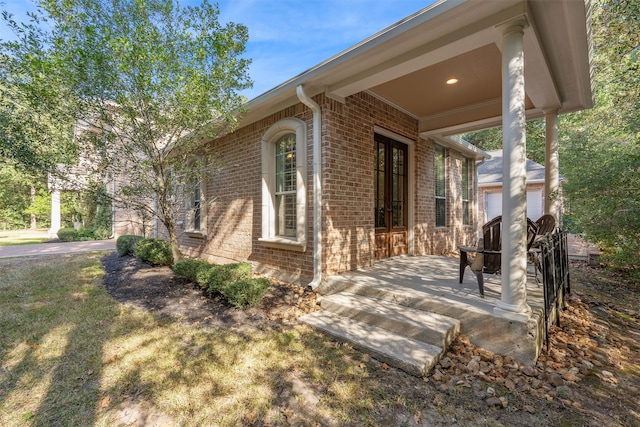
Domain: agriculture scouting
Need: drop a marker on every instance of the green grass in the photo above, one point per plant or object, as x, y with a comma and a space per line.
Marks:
71, 355
22, 237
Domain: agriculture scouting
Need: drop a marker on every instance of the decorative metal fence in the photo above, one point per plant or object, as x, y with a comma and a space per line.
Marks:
554, 260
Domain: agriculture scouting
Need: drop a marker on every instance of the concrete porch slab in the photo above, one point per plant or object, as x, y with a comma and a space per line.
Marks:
430, 283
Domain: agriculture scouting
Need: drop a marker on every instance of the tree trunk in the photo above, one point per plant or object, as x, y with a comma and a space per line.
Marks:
167, 219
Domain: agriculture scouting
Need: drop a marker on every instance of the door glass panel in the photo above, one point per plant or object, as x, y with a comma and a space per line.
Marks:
398, 187
380, 185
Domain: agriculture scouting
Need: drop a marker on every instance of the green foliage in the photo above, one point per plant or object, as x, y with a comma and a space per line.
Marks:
137, 72
126, 244
154, 251
67, 234
219, 277
190, 268
246, 292
234, 281
40, 206
600, 148
15, 196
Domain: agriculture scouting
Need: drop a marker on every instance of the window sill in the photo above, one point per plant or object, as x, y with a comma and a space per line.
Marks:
196, 234
283, 243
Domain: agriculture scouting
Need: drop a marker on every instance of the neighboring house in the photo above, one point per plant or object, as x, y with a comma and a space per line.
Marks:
490, 188
356, 159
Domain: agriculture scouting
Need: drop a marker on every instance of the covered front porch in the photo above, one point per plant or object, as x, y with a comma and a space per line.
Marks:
395, 293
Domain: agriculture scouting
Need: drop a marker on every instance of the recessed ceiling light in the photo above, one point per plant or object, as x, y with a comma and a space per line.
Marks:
452, 81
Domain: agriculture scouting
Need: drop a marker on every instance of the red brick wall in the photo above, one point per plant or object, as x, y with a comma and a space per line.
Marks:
234, 212
429, 239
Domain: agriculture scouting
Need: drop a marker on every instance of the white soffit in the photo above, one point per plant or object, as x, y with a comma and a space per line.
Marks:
406, 63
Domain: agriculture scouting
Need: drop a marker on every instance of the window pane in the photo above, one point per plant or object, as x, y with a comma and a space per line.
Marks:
440, 213
286, 185
196, 206
440, 172
465, 212
440, 182
286, 214
465, 192
286, 163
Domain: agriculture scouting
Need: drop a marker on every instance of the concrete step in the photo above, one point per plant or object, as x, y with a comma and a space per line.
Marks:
412, 356
409, 322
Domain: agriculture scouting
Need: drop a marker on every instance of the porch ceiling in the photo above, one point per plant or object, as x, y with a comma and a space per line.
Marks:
409, 64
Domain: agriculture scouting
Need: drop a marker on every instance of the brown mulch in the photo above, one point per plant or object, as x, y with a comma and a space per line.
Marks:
156, 289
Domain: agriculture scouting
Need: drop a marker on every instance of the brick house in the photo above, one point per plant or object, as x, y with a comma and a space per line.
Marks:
356, 159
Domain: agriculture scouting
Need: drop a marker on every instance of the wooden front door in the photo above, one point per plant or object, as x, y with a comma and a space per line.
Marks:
390, 197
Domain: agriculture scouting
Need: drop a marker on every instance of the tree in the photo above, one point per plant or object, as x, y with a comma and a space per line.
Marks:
600, 148
145, 83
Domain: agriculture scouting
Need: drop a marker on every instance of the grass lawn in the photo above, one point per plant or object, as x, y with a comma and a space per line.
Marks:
23, 237
71, 355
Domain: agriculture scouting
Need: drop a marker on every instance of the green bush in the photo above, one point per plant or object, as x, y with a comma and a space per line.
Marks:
154, 251
67, 234
191, 268
101, 233
85, 233
221, 276
126, 244
246, 293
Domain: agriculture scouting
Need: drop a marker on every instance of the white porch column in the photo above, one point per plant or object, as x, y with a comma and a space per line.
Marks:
55, 214
551, 166
513, 301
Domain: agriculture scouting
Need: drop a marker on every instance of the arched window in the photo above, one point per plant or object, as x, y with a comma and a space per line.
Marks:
284, 174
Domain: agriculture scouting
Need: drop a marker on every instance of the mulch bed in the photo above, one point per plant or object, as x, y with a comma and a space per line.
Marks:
158, 290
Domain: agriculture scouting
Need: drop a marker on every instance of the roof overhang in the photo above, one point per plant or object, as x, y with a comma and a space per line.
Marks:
462, 146
407, 65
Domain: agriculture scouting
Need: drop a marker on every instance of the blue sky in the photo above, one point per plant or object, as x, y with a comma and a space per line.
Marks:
287, 37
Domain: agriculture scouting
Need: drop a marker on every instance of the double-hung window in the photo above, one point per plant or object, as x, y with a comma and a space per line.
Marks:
465, 192
285, 194
197, 199
284, 162
440, 181
195, 207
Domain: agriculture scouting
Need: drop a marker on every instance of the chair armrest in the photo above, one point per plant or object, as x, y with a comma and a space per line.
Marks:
468, 249
490, 252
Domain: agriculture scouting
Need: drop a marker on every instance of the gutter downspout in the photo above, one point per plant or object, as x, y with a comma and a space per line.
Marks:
317, 185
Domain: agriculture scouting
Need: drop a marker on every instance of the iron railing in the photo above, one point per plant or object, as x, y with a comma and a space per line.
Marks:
554, 263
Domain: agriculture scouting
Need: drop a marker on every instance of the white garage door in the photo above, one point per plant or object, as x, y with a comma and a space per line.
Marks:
534, 205
494, 205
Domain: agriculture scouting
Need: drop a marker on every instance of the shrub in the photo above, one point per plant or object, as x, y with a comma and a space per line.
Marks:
246, 293
67, 234
190, 268
223, 275
86, 233
101, 233
126, 244
154, 251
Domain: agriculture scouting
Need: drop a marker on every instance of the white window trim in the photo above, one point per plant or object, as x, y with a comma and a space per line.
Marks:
270, 137
189, 214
